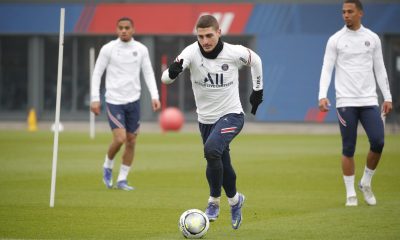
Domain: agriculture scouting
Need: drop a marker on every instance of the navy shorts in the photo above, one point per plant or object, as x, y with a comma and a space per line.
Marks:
124, 116
219, 135
370, 119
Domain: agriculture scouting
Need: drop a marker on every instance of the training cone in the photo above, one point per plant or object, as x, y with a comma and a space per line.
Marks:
171, 119
32, 121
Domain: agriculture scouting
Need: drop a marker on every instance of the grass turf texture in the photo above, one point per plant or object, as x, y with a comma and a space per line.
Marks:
292, 183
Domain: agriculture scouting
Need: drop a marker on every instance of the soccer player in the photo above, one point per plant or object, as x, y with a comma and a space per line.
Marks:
123, 59
213, 66
356, 54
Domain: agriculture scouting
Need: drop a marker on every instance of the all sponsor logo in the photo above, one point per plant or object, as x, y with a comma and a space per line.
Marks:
214, 81
218, 80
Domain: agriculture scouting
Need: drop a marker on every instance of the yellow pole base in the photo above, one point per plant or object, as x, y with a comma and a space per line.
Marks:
32, 121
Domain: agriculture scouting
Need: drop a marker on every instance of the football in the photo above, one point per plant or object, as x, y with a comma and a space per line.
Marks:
193, 223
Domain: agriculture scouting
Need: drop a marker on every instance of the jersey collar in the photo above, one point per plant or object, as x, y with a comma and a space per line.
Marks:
214, 53
354, 31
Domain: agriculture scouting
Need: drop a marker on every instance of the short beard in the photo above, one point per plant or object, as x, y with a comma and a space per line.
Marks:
350, 25
125, 39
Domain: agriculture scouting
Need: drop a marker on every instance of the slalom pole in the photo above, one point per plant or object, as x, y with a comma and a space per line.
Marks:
91, 115
58, 103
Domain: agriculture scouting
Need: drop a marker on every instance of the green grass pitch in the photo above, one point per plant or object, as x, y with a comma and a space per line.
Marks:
293, 187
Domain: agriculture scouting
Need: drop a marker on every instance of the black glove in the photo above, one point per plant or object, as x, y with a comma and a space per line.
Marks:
175, 68
256, 99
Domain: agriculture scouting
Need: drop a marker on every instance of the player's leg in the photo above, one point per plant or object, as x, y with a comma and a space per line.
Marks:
132, 119
119, 138
373, 125
213, 175
229, 175
228, 183
235, 199
215, 144
127, 160
348, 122
129, 153
117, 125
225, 130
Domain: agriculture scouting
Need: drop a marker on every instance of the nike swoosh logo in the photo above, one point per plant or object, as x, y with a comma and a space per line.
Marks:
236, 224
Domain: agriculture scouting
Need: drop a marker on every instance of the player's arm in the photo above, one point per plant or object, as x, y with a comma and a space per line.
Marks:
179, 65
256, 96
172, 72
382, 78
150, 80
100, 66
326, 75
254, 61
250, 58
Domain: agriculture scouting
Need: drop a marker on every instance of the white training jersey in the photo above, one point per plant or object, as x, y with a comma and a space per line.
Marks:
356, 56
123, 62
215, 82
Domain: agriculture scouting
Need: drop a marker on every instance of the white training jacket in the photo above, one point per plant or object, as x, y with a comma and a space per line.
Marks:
356, 56
123, 62
215, 82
